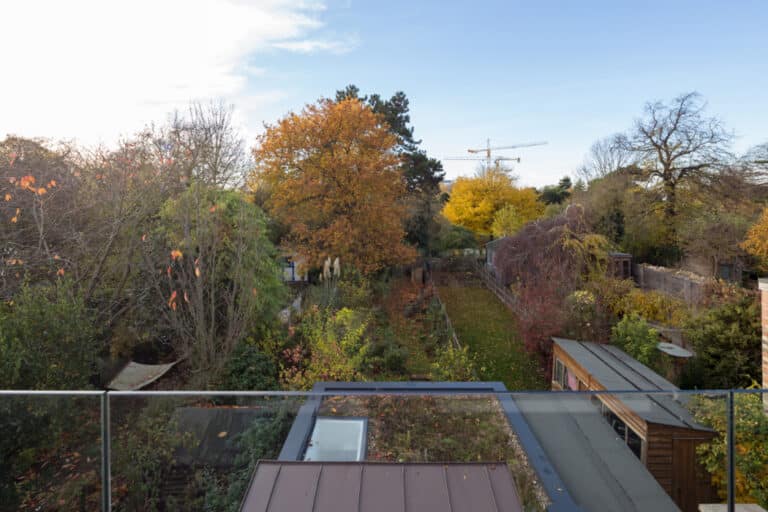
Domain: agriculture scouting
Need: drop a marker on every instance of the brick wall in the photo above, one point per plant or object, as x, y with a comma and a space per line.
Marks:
764, 308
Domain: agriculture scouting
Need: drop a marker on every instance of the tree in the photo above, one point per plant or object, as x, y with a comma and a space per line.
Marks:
756, 241
422, 174
424, 200
212, 274
506, 222
395, 112
605, 157
474, 201
556, 194
335, 183
675, 144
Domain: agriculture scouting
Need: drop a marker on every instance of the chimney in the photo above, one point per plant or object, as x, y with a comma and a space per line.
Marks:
763, 285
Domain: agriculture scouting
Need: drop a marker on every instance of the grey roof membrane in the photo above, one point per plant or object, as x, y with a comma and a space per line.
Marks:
599, 470
374, 487
615, 370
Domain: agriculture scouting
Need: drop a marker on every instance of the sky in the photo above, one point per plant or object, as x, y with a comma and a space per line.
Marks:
566, 72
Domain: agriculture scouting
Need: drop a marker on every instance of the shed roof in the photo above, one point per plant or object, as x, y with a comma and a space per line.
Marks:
373, 487
137, 375
598, 469
616, 370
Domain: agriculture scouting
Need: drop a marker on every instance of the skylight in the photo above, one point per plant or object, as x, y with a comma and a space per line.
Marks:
337, 439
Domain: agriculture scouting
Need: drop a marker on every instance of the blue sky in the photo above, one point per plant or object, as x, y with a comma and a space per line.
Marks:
568, 72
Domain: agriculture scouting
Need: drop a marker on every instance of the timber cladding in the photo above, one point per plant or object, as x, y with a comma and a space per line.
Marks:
669, 434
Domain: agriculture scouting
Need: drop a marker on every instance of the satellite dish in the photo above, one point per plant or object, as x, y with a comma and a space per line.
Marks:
674, 350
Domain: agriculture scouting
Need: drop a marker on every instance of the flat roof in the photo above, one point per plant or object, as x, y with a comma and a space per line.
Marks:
616, 370
598, 468
385, 487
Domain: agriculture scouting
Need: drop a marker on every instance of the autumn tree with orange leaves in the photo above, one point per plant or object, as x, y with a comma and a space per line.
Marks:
334, 182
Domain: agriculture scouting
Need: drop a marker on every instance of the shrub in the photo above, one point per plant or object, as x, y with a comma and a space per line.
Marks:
635, 337
726, 340
333, 348
248, 368
751, 435
621, 297
454, 364
262, 440
47, 339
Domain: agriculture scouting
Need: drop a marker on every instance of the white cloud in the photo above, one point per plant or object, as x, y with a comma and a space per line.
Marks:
316, 45
96, 69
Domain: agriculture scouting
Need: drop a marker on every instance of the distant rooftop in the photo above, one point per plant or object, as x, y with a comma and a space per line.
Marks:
381, 487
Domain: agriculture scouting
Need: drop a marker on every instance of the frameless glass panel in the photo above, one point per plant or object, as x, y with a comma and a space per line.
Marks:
337, 439
186, 451
50, 451
750, 446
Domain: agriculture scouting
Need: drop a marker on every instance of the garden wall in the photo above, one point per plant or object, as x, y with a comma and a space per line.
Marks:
677, 283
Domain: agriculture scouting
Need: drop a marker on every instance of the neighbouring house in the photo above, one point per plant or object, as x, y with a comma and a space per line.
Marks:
329, 459
657, 428
294, 269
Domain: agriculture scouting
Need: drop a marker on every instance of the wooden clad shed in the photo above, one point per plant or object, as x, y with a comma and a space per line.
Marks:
657, 428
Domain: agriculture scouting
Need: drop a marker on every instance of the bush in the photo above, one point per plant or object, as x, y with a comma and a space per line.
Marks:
248, 368
726, 340
621, 297
47, 339
635, 337
262, 440
751, 435
333, 347
454, 364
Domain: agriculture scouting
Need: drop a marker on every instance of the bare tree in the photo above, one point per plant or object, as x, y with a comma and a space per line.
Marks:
675, 143
605, 156
204, 145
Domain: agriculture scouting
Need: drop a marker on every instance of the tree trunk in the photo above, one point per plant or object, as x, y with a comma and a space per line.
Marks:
670, 211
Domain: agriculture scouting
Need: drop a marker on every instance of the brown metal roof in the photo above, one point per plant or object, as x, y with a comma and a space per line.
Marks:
386, 487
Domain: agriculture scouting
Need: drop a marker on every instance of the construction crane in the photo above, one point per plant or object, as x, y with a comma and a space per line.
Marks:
488, 152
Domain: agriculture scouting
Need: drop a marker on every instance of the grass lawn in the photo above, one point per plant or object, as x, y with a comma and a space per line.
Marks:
488, 328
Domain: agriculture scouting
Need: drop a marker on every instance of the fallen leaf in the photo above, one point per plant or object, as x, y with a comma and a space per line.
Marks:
222, 434
8, 197
176, 254
60, 272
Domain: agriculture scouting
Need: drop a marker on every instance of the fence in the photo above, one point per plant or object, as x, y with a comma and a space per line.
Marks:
449, 325
493, 284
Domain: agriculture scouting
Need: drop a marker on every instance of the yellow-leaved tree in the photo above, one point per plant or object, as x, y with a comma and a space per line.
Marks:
475, 201
756, 242
333, 180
